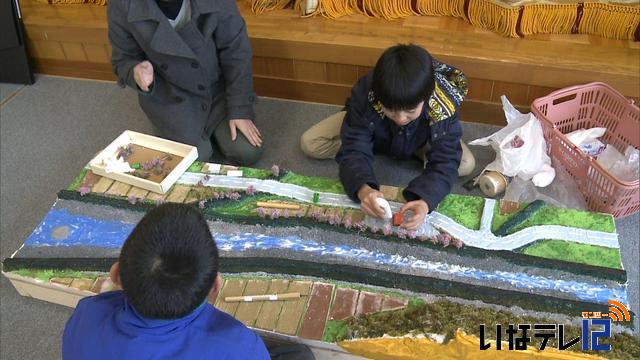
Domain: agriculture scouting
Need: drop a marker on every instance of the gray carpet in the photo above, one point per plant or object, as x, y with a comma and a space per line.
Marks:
51, 129
8, 90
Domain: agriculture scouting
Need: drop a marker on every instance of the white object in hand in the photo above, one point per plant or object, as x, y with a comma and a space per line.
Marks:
117, 165
385, 205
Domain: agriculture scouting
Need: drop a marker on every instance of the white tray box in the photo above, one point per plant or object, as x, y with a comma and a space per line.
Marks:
187, 152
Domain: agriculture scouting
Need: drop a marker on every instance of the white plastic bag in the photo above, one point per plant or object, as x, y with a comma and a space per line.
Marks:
583, 136
562, 192
520, 148
587, 140
624, 167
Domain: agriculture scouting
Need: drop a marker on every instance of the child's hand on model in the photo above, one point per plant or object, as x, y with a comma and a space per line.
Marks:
143, 75
368, 203
248, 129
420, 209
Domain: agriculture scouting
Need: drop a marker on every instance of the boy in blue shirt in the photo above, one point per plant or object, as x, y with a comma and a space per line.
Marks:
168, 267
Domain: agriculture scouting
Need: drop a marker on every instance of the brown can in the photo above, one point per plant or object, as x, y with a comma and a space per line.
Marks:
492, 183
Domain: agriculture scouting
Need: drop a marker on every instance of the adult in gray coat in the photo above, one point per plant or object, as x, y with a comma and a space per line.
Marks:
190, 62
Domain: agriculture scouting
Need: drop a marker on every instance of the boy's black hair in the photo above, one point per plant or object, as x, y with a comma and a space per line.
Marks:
169, 263
403, 77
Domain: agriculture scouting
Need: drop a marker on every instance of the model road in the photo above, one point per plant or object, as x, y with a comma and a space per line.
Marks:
482, 238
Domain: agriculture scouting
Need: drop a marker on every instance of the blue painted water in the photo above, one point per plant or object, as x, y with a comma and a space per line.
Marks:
83, 231
86, 231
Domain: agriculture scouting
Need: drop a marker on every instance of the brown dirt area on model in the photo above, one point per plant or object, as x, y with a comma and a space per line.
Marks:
150, 164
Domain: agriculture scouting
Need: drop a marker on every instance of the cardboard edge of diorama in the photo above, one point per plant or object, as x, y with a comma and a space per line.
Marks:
29, 287
187, 152
69, 297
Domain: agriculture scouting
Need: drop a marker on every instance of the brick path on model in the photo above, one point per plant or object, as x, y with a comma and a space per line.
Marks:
305, 317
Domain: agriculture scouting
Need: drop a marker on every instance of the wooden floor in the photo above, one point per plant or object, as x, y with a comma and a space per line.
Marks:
317, 59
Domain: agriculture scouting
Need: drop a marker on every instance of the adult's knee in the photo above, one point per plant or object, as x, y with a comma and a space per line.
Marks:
245, 156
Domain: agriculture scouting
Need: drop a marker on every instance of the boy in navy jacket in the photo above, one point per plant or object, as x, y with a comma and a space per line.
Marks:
407, 106
168, 267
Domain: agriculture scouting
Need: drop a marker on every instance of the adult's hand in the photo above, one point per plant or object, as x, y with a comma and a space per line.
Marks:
248, 129
368, 203
420, 209
143, 75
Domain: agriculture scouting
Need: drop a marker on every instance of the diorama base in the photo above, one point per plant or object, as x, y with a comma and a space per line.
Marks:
280, 232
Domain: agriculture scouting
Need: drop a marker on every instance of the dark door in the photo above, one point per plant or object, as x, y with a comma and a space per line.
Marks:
14, 62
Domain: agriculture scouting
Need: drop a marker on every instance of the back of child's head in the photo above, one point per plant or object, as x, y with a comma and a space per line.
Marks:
169, 262
403, 77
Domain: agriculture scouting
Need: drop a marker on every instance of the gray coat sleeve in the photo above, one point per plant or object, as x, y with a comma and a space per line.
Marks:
125, 51
235, 56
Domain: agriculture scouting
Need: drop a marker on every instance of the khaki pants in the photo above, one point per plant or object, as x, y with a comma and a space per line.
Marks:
322, 141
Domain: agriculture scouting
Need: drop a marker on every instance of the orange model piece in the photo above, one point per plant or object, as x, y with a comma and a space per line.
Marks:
397, 219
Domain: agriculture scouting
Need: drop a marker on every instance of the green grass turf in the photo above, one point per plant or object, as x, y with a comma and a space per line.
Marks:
574, 252
256, 173
556, 216
196, 167
46, 275
465, 210
245, 206
314, 183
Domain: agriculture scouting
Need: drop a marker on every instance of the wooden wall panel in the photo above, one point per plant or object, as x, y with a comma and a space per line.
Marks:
259, 66
484, 112
479, 89
319, 60
363, 70
301, 90
342, 74
517, 93
68, 33
358, 40
46, 50
78, 69
538, 91
282, 68
73, 51
96, 53
481, 65
314, 51
310, 70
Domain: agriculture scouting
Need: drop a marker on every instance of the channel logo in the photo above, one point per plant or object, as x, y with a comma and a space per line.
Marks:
596, 326
617, 311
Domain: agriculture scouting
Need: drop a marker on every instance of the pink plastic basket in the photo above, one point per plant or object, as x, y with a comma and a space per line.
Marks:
586, 106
